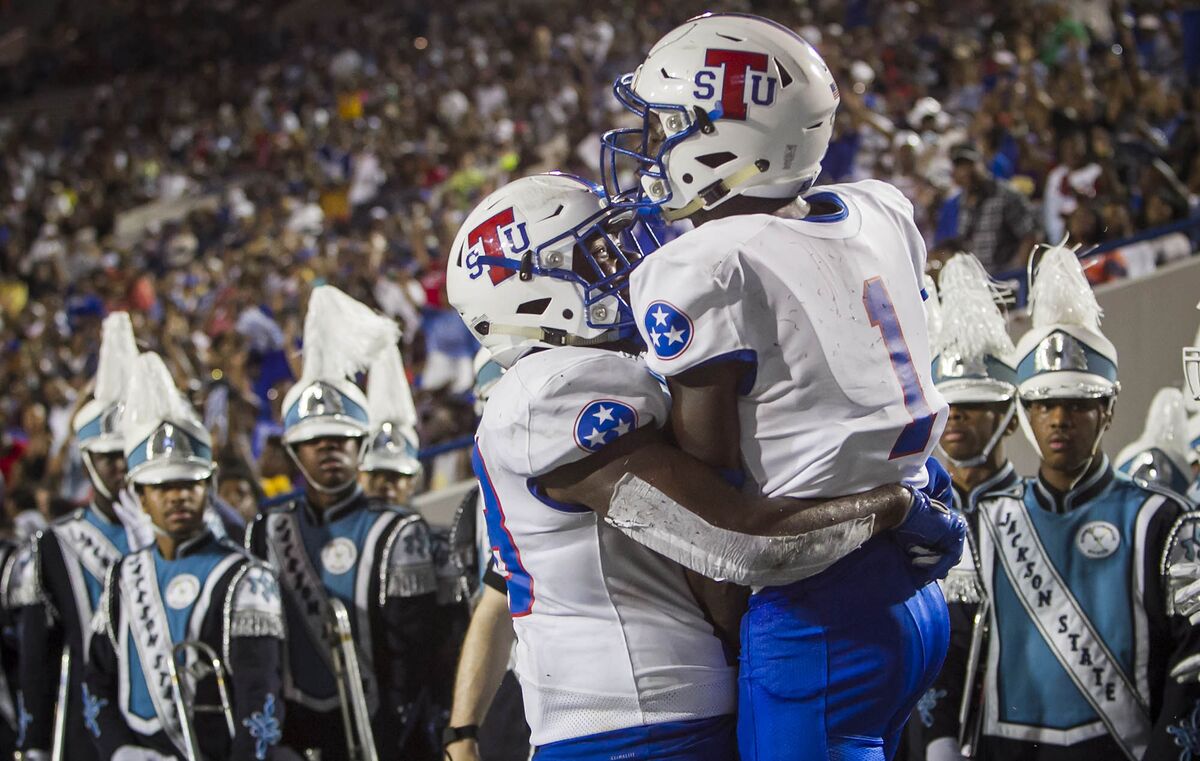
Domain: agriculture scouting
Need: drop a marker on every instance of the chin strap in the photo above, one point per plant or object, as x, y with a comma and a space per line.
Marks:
362, 446
981, 458
716, 191
553, 337
97, 482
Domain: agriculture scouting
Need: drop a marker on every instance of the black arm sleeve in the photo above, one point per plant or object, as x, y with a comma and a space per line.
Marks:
405, 673
102, 677
40, 655
257, 668
1171, 537
493, 579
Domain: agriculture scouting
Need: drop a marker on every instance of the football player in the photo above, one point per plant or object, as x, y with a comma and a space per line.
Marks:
789, 326
614, 654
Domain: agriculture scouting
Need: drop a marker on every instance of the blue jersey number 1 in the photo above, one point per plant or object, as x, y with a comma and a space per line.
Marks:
915, 436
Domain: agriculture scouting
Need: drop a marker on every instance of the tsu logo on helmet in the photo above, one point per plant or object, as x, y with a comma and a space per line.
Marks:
732, 68
603, 422
491, 238
668, 328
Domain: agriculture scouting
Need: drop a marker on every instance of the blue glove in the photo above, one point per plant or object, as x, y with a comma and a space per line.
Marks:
933, 537
939, 487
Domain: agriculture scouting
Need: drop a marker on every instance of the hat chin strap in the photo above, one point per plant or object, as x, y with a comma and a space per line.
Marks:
97, 482
362, 446
1027, 427
986, 452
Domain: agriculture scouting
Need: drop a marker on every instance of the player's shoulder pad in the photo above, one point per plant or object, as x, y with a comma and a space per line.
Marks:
561, 405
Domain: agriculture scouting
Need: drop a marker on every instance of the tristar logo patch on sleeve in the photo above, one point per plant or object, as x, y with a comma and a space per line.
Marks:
603, 422
668, 329
499, 236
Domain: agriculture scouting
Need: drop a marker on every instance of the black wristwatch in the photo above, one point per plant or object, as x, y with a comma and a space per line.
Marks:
454, 734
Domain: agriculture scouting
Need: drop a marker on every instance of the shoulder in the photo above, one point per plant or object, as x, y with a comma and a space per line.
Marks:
700, 252
563, 404
1144, 496
281, 503
256, 606
876, 191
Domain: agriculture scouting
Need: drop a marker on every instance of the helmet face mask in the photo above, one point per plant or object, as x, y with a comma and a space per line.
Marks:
544, 262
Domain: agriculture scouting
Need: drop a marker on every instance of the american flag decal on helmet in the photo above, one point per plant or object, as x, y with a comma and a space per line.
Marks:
833, 88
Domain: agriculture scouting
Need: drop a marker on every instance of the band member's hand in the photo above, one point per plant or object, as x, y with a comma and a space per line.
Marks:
462, 750
1184, 582
1187, 670
134, 518
932, 535
134, 753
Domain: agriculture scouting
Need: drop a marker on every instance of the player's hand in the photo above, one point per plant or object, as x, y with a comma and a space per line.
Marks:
939, 487
932, 535
462, 750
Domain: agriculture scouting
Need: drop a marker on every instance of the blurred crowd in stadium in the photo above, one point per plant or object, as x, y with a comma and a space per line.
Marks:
345, 148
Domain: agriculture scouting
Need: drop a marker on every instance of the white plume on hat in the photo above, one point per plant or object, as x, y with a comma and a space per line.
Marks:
341, 338
1060, 293
342, 335
97, 423
933, 310
165, 439
1166, 430
154, 398
118, 352
389, 397
971, 324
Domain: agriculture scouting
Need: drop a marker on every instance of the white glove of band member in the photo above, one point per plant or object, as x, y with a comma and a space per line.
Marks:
134, 753
138, 526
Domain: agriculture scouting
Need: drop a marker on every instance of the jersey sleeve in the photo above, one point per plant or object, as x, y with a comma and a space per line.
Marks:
559, 409
689, 308
257, 605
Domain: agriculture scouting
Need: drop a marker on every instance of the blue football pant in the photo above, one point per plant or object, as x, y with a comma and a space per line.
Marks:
832, 666
711, 739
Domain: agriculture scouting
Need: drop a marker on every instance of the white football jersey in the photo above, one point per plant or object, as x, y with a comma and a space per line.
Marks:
828, 311
609, 635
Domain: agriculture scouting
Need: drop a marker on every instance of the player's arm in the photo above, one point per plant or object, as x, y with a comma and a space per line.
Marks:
678, 506
485, 655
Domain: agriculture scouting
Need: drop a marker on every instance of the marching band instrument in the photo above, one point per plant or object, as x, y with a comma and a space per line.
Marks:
356, 718
59, 743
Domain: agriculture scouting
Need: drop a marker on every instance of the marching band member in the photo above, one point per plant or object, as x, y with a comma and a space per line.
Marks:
187, 604
1080, 563
333, 543
972, 368
62, 574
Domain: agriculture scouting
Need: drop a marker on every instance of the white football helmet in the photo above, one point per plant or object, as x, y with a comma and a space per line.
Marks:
731, 104
538, 263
